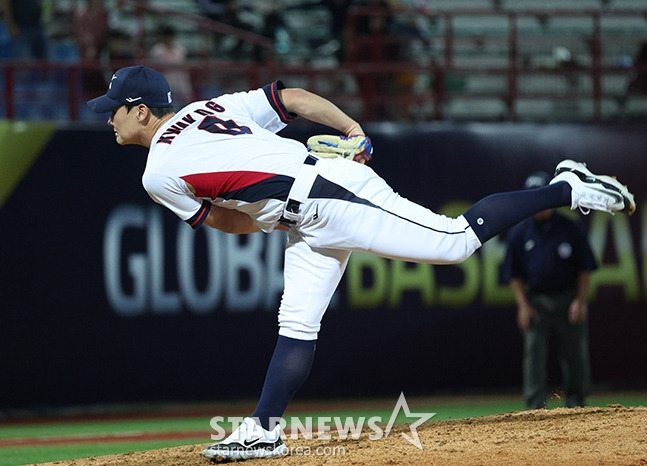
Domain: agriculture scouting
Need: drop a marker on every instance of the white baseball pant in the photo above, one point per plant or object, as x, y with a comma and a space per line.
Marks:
351, 208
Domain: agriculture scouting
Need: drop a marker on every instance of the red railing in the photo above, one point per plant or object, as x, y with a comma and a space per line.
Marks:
587, 43
375, 83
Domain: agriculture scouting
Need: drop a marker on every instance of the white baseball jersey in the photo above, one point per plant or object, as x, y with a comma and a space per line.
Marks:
227, 149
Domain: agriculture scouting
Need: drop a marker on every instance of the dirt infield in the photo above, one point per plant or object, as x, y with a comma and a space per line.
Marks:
614, 435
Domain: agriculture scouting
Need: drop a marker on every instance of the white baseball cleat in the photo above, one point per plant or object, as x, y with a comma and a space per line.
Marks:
248, 441
594, 192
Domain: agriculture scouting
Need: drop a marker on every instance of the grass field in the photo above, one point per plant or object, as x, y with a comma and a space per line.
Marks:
37, 440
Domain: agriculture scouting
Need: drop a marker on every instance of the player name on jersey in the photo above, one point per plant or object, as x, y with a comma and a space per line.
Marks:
210, 122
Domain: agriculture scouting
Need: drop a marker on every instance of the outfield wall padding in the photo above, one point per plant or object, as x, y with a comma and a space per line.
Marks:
106, 297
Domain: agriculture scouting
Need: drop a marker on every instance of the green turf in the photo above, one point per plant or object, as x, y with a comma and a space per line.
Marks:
44, 454
105, 427
445, 408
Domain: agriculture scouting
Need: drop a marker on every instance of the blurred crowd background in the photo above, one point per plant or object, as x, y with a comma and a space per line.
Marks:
416, 60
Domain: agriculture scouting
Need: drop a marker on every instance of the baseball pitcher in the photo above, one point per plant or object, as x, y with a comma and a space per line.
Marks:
221, 163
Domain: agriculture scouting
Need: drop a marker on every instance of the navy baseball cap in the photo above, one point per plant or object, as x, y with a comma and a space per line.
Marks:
537, 180
134, 85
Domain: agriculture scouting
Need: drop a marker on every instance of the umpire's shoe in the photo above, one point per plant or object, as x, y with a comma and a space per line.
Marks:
248, 441
594, 192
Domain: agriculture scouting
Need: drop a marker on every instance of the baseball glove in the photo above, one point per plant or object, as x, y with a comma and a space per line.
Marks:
348, 147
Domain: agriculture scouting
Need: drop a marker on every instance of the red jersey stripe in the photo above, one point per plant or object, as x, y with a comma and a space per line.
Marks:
218, 184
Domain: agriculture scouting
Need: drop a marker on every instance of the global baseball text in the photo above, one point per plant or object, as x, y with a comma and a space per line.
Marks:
150, 267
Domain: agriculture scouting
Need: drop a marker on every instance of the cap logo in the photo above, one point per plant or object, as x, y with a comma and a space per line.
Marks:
134, 85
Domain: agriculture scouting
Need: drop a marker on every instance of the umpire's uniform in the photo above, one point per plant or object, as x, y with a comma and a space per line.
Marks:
548, 256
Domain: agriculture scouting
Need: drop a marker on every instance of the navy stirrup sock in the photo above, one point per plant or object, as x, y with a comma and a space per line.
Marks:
292, 358
498, 212
289, 368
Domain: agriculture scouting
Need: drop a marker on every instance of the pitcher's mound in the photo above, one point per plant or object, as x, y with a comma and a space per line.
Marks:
614, 435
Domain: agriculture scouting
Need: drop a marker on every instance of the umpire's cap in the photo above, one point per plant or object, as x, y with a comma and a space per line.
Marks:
134, 85
537, 180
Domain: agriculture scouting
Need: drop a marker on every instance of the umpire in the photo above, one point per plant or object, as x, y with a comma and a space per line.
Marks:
548, 265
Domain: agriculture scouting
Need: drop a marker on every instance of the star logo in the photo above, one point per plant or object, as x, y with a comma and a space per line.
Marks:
422, 417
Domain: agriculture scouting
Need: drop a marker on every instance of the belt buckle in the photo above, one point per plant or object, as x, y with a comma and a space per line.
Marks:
292, 206
290, 213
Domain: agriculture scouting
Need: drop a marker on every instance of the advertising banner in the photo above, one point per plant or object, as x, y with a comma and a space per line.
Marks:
107, 297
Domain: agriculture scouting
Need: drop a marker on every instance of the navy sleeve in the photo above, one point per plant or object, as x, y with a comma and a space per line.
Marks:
271, 91
200, 216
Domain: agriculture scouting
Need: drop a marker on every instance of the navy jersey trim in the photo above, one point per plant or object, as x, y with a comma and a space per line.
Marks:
326, 189
275, 187
200, 216
272, 94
